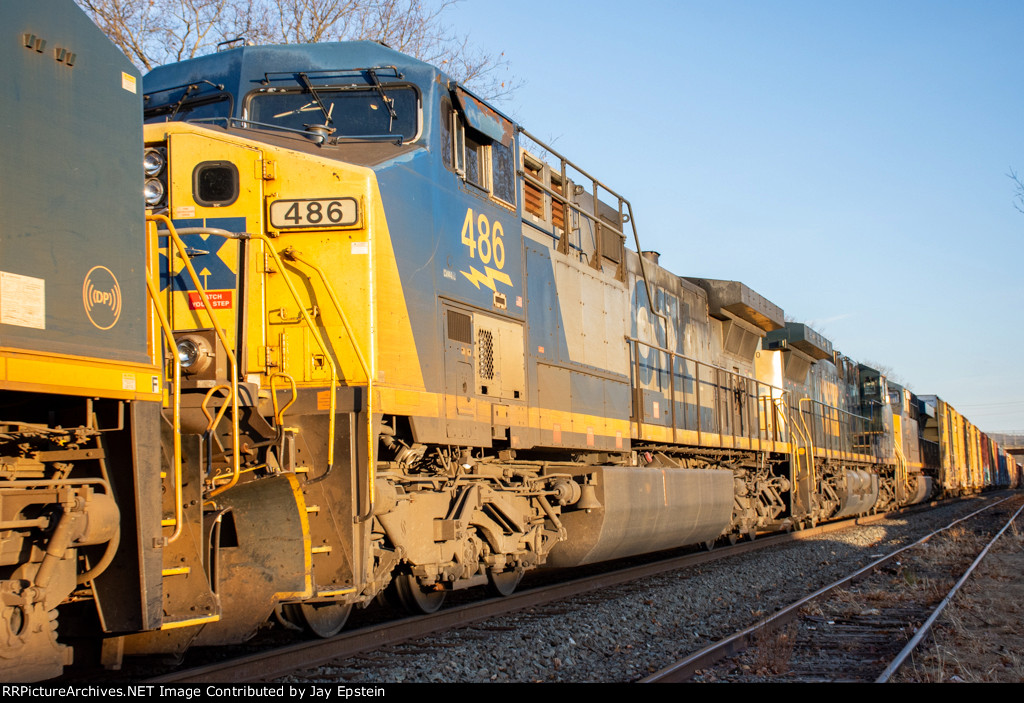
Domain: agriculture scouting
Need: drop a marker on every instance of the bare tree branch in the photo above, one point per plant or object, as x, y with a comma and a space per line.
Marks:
128, 23
154, 32
1018, 190
889, 372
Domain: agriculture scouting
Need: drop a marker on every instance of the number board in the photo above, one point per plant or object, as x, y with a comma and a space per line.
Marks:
325, 212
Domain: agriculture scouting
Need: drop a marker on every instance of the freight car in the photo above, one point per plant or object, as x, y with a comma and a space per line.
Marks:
372, 339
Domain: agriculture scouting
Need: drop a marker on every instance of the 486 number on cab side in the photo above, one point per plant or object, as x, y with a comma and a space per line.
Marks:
325, 212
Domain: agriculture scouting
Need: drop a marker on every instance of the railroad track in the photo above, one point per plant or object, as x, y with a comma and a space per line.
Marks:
536, 603
283, 661
862, 627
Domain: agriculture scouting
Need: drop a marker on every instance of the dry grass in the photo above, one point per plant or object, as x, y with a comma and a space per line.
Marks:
1015, 535
773, 650
980, 637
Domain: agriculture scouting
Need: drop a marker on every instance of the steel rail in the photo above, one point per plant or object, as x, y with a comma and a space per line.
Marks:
922, 631
735, 643
278, 662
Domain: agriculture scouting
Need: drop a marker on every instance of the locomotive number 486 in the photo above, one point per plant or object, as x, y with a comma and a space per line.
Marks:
484, 239
328, 212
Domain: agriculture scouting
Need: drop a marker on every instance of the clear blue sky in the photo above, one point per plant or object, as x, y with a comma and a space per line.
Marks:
847, 160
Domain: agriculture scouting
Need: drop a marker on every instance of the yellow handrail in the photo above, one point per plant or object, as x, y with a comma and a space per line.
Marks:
809, 437
211, 420
279, 414
176, 406
781, 405
366, 366
316, 336
232, 362
303, 312
901, 470
290, 253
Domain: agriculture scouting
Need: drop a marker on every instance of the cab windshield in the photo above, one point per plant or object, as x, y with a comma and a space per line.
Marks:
351, 112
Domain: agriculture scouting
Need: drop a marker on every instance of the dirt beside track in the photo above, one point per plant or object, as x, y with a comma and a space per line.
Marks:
980, 637
852, 633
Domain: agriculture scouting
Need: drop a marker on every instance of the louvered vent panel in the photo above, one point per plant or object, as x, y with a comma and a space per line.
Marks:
460, 327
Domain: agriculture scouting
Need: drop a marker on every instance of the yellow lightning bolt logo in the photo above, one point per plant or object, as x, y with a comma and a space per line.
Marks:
476, 278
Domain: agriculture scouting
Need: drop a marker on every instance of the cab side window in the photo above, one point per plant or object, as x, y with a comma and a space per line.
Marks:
480, 146
475, 162
503, 172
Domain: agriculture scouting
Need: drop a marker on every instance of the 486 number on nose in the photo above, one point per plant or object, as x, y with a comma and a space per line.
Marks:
325, 212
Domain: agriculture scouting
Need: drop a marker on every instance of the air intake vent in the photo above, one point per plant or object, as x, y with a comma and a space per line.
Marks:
486, 355
460, 327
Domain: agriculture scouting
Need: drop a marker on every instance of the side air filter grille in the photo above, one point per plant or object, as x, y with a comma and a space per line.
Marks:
460, 327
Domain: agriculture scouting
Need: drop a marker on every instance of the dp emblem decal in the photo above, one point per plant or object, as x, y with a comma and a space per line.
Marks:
101, 296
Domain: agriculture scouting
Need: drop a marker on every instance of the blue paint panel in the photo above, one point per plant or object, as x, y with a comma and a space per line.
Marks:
664, 414
220, 275
408, 193
587, 393
654, 368
472, 273
544, 329
686, 415
244, 69
708, 419
684, 375
617, 400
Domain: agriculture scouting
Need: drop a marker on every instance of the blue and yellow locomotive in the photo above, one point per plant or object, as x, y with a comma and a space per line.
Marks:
512, 386
366, 337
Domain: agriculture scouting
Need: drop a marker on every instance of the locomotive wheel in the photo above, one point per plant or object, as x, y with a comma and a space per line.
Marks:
322, 619
389, 599
503, 583
413, 598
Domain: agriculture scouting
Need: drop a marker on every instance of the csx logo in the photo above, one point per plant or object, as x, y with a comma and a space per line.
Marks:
101, 296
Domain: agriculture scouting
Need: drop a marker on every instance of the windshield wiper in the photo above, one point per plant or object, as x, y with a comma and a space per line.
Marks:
388, 102
304, 79
190, 88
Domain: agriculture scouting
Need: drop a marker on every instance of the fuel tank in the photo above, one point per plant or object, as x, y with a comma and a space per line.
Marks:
646, 510
922, 490
861, 493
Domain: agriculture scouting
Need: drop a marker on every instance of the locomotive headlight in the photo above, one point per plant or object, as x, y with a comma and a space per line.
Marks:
153, 192
188, 353
194, 354
202, 358
153, 162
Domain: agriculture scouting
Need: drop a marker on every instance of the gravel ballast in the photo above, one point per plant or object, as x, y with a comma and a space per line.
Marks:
629, 631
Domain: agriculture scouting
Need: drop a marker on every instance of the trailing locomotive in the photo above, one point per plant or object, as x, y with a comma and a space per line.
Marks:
373, 339
80, 378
